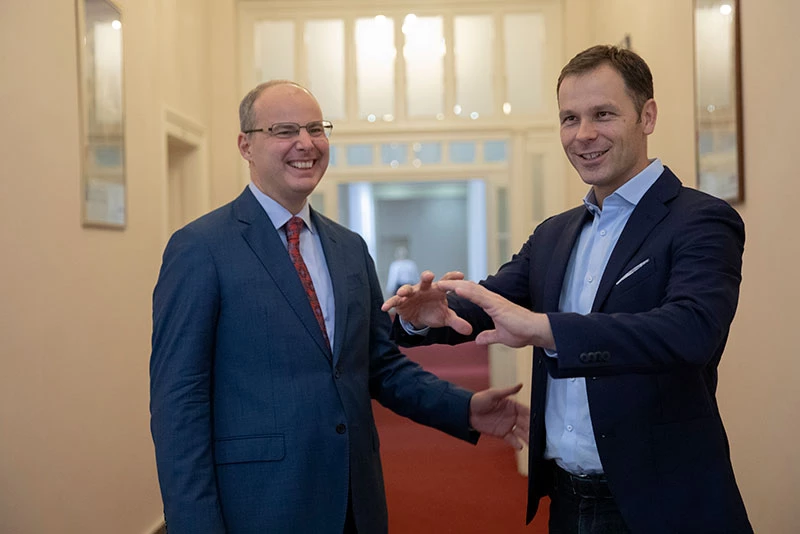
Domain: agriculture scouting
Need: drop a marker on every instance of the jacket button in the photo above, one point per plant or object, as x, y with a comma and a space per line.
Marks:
337, 373
340, 428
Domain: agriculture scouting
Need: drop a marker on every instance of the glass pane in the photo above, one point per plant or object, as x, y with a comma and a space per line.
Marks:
474, 40
334, 156
424, 55
495, 151
427, 153
524, 48
394, 154
325, 55
462, 152
272, 35
359, 155
537, 175
503, 254
375, 57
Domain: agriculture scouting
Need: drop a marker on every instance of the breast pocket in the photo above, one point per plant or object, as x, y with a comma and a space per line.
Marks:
636, 273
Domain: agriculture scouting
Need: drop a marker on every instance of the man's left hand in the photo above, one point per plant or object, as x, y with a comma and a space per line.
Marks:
493, 412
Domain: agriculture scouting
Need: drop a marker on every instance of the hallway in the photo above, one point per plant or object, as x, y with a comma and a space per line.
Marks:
436, 484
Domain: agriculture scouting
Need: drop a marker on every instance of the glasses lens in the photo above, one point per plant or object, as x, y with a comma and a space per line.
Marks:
315, 129
285, 130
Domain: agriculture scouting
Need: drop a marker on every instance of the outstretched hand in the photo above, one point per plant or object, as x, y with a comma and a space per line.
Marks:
494, 412
514, 325
425, 304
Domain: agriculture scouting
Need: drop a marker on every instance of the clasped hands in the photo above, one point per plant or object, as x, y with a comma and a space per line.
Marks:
425, 305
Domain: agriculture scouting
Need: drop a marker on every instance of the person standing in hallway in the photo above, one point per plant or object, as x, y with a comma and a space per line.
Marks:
627, 301
403, 270
269, 344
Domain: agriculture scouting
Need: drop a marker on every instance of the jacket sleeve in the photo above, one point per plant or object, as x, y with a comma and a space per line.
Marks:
402, 385
185, 308
688, 322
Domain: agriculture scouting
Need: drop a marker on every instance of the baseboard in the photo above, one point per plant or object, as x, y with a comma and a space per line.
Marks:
158, 528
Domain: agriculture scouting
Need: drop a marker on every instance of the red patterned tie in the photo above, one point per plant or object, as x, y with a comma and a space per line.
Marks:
293, 229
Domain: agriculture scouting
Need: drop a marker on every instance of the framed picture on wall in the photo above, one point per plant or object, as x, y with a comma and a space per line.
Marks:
100, 63
718, 99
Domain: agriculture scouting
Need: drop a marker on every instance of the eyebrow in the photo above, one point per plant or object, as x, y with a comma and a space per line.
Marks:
593, 109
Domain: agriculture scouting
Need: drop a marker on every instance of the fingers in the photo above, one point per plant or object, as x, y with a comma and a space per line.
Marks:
426, 280
390, 303
452, 275
458, 324
512, 439
517, 437
469, 290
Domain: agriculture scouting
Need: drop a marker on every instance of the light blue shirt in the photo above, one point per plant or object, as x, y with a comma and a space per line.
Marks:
310, 249
570, 436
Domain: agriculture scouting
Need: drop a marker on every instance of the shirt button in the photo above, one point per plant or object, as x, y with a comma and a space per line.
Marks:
572, 379
603, 232
569, 428
340, 428
590, 279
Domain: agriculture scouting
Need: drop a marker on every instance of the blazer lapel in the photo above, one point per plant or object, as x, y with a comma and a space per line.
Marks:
263, 239
336, 258
560, 258
650, 210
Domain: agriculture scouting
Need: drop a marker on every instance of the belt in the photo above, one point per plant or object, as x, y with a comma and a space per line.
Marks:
587, 486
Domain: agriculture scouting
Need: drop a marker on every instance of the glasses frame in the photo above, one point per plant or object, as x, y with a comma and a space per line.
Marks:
327, 129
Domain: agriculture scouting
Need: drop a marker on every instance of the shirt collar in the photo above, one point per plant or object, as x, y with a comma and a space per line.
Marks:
633, 190
277, 213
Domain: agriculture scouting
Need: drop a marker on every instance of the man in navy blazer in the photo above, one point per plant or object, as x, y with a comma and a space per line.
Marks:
628, 301
261, 386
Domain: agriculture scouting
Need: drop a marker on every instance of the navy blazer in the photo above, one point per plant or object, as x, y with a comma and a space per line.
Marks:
649, 351
258, 426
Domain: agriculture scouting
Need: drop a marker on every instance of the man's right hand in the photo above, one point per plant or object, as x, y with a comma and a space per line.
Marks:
425, 305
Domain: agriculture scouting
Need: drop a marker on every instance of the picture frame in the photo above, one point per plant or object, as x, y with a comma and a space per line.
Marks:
718, 99
102, 112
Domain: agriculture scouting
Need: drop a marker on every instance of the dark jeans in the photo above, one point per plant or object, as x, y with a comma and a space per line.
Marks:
583, 505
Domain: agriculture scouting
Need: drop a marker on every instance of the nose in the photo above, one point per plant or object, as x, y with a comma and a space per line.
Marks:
586, 131
304, 140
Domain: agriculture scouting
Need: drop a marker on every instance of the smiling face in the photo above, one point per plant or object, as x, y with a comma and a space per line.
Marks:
287, 170
602, 134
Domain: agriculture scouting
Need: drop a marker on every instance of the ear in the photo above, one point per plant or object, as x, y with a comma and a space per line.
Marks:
649, 115
244, 146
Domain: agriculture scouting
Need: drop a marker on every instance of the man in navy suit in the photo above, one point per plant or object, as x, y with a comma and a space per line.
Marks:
628, 301
265, 360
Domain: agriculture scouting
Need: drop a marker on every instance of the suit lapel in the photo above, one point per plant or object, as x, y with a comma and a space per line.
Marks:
263, 239
561, 254
650, 210
336, 258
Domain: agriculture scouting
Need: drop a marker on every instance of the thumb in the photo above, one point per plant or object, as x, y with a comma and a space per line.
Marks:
458, 324
487, 337
501, 393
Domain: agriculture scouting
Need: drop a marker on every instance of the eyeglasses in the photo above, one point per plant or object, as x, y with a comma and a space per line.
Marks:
288, 130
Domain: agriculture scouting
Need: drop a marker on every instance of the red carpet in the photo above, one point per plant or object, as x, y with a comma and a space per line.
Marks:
438, 484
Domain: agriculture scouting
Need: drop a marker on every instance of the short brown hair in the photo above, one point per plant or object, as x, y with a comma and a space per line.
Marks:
633, 69
247, 119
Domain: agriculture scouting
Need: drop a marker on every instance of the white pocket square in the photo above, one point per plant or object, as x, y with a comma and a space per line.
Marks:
626, 275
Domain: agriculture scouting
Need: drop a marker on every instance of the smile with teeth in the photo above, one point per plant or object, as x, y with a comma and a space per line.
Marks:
592, 155
306, 164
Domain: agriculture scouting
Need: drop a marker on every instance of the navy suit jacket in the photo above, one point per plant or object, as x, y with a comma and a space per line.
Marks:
649, 351
258, 426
